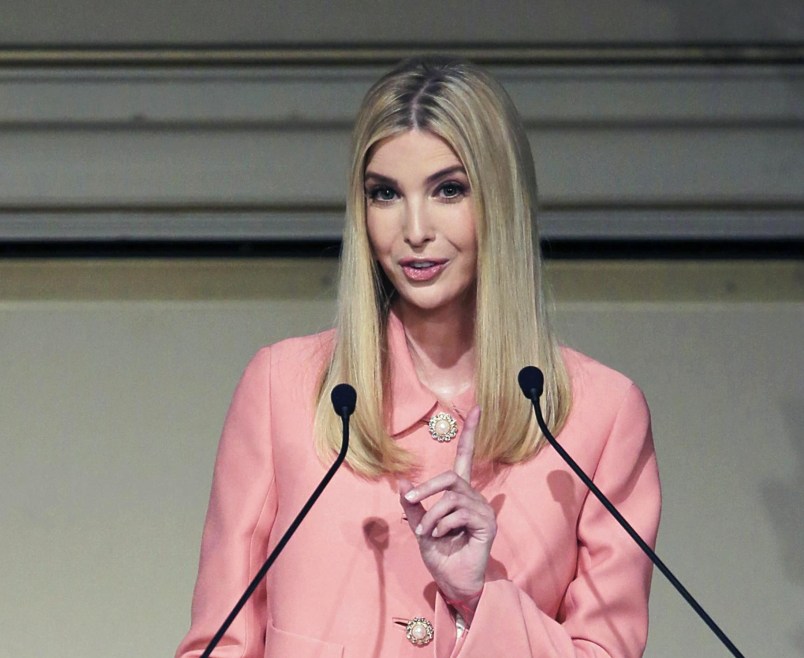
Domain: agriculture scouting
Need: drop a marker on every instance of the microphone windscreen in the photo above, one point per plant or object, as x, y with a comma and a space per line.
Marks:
531, 381
344, 397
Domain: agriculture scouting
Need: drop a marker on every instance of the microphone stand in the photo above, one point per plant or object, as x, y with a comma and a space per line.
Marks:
343, 400
531, 380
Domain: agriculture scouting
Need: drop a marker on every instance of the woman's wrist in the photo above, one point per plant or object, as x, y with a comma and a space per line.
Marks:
465, 606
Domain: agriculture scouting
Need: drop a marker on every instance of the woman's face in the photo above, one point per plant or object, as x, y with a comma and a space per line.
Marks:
421, 222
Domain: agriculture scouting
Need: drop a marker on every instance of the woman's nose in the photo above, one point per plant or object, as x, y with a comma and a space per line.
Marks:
418, 229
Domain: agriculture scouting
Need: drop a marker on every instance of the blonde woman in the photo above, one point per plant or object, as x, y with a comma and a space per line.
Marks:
452, 531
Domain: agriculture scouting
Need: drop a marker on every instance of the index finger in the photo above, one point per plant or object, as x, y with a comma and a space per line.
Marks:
466, 446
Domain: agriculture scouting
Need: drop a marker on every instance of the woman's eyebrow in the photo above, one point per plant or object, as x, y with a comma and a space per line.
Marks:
441, 173
380, 178
454, 169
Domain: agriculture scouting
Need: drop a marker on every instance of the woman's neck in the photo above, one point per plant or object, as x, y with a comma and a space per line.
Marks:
442, 348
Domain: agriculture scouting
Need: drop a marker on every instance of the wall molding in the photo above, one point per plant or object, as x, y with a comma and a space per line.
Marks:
649, 152
205, 55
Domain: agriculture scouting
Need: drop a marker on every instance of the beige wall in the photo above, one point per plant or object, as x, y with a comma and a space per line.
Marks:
117, 375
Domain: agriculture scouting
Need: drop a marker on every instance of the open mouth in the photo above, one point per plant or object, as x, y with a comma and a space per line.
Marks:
422, 270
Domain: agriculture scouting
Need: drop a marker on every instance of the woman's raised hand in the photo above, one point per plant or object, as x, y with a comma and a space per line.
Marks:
455, 535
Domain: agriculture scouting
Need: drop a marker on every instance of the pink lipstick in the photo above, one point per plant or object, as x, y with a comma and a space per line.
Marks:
422, 269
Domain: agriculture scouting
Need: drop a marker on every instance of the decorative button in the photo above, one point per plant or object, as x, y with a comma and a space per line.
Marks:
443, 427
419, 631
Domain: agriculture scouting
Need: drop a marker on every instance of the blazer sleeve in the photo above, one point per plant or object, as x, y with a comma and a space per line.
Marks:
604, 613
241, 511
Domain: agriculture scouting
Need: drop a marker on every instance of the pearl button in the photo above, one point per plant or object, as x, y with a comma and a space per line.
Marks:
443, 427
419, 631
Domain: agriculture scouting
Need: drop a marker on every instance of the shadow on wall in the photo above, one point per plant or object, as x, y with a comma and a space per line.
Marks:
783, 501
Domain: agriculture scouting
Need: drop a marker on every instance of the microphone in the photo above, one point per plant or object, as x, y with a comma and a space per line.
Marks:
344, 399
531, 381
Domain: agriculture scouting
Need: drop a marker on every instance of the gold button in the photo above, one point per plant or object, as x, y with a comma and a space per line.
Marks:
419, 631
443, 427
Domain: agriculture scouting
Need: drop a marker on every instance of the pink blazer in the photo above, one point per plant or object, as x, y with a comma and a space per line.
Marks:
564, 579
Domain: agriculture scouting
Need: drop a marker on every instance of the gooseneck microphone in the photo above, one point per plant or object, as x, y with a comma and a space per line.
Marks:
344, 399
531, 381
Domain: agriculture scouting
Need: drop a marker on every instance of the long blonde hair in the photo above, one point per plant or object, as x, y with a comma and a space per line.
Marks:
466, 107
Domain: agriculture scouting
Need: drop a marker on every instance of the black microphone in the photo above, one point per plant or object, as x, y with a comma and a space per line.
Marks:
343, 399
531, 381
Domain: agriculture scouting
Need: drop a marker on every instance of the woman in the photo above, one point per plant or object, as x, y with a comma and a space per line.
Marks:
451, 532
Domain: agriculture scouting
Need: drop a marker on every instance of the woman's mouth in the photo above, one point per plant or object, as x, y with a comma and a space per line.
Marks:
422, 270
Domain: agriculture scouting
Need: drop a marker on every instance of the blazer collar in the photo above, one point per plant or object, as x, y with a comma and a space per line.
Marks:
411, 402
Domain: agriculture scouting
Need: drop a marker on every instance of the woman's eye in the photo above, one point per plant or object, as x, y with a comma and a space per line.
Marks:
451, 190
381, 193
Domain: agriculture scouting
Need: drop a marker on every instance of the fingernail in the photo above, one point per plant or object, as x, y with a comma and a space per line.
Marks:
410, 496
419, 530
